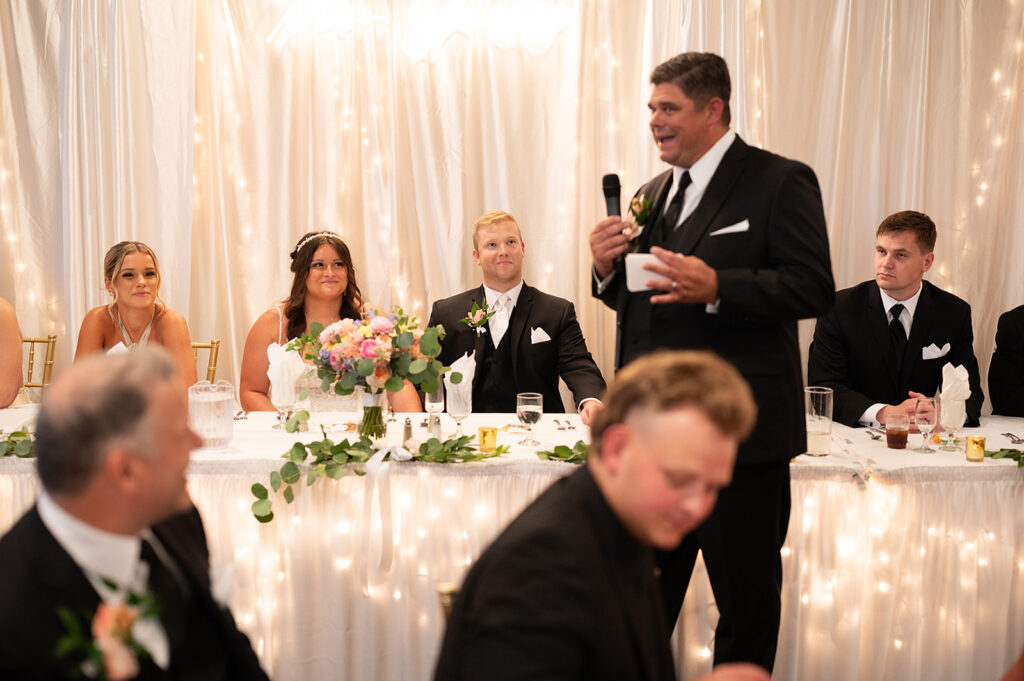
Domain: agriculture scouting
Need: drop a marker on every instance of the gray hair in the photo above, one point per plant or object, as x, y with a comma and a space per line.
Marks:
100, 402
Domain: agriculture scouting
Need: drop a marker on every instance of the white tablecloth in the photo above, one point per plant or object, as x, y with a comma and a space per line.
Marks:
898, 565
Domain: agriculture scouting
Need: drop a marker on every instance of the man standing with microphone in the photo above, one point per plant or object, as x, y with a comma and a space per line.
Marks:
740, 254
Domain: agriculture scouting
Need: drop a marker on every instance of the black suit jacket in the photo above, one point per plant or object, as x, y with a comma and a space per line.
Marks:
772, 271
565, 592
1006, 373
37, 577
852, 352
536, 366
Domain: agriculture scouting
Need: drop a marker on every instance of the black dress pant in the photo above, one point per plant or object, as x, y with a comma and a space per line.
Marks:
740, 542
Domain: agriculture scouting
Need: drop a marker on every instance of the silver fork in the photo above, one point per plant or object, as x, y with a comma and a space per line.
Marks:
572, 426
558, 424
1014, 438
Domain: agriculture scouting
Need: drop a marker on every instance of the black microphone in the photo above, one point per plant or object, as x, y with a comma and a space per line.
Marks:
611, 186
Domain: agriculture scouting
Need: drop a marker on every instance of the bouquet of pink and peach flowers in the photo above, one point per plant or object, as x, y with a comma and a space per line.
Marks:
377, 351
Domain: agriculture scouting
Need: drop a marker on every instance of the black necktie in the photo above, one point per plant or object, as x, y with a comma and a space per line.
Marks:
671, 215
896, 331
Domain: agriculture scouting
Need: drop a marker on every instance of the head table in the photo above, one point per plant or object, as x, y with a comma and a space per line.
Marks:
898, 565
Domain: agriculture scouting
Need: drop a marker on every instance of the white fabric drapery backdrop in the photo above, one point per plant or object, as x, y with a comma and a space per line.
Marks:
397, 122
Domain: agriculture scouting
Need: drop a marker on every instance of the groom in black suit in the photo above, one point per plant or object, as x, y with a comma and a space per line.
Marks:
568, 591
113, 519
741, 253
885, 342
531, 339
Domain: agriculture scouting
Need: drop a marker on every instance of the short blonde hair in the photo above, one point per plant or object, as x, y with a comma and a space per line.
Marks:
669, 380
492, 218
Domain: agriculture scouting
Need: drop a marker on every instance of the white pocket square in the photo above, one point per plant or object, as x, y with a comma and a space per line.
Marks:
742, 226
934, 352
539, 335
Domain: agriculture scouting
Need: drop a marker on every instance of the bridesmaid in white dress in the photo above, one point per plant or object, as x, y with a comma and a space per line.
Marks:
135, 315
324, 290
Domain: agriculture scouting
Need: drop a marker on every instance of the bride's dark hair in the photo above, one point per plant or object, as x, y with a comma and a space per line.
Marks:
302, 258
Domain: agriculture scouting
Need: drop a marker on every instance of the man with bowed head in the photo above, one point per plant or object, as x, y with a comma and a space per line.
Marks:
114, 519
568, 590
740, 254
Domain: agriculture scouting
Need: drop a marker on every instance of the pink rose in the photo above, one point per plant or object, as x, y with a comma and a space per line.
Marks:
381, 325
368, 348
118, 659
478, 316
338, 328
336, 358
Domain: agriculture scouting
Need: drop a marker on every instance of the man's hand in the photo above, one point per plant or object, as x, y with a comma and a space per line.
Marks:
607, 242
687, 278
588, 409
907, 407
737, 671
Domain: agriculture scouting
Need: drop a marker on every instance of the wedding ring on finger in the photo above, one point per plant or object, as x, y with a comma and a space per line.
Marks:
675, 284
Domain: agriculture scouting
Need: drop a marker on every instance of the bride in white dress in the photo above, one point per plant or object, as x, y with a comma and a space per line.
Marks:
324, 290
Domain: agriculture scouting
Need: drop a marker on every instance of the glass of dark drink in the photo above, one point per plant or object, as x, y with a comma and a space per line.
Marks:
897, 428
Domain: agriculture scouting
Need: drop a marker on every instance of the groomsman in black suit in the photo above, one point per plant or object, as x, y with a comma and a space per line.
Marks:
742, 254
532, 337
1006, 372
113, 519
568, 590
884, 343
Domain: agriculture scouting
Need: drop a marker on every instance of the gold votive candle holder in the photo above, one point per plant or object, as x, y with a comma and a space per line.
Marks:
488, 438
975, 448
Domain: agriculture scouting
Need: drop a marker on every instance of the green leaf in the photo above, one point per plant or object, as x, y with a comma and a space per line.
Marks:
23, 448
259, 491
334, 471
429, 344
394, 384
347, 383
289, 495
290, 473
418, 366
365, 367
455, 378
261, 508
315, 329
404, 340
297, 453
266, 519
430, 384
311, 478
275, 481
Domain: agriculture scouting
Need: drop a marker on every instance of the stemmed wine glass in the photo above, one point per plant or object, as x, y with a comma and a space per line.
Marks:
925, 416
458, 409
529, 409
284, 402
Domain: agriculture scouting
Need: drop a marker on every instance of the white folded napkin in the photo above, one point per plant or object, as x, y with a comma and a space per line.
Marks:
539, 335
460, 395
956, 389
285, 368
933, 351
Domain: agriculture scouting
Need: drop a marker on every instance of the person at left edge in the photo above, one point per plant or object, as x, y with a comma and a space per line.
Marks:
524, 347
114, 517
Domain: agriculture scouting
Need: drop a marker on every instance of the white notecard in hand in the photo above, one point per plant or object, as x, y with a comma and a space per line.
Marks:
636, 276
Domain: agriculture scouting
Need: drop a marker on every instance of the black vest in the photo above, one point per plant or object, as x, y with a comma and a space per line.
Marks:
494, 387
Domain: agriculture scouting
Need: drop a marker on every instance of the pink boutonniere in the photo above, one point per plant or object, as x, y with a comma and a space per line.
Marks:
478, 317
639, 211
111, 653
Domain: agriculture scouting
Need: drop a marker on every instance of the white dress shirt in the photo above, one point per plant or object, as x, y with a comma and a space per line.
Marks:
906, 319
103, 556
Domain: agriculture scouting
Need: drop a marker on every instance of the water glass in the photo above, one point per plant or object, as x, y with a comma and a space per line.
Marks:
925, 420
211, 408
529, 409
897, 429
434, 402
818, 409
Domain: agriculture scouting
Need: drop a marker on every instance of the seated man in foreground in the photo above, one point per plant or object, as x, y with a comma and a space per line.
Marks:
1006, 372
114, 524
531, 338
884, 343
568, 590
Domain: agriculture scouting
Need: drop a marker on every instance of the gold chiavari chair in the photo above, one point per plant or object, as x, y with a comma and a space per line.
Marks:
211, 366
447, 592
51, 344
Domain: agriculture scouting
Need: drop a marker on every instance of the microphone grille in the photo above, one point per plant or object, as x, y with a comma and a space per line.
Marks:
610, 183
